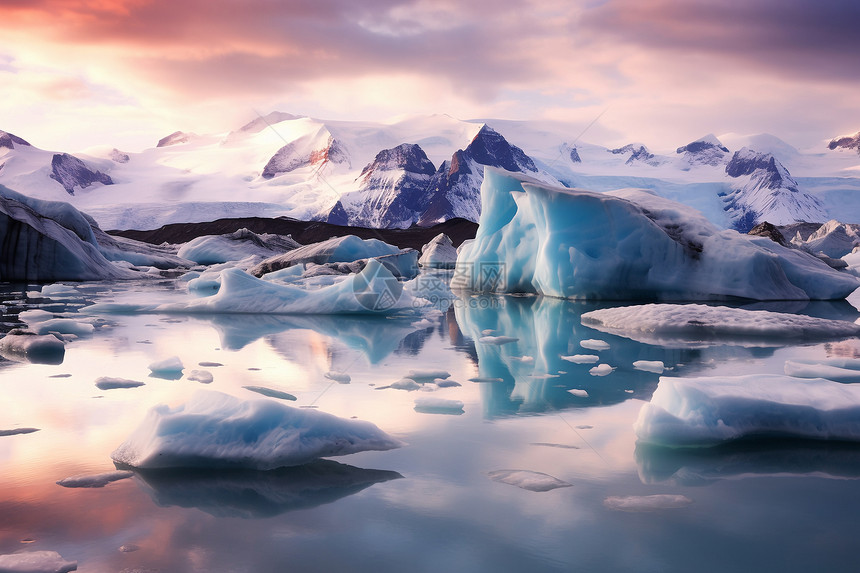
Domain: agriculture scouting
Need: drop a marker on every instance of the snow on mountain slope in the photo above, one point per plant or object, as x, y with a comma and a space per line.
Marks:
846, 142
763, 190
348, 172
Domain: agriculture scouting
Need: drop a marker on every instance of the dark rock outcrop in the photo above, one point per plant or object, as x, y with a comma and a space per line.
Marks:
845, 142
71, 173
9, 141
175, 138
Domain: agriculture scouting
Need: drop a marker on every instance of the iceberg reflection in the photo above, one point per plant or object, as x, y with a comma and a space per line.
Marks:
257, 494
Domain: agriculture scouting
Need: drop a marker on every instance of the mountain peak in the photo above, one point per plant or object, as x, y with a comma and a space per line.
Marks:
9, 140
407, 157
845, 142
707, 150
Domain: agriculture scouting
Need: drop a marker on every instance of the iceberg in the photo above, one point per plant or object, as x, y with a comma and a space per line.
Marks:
344, 249
626, 245
108, 383
213, 249
95, 480
694, 323
439, 253
215, 430
24, 346
837, 374
707, 411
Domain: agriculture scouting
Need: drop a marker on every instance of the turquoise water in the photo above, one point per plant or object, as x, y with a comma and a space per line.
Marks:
431, 505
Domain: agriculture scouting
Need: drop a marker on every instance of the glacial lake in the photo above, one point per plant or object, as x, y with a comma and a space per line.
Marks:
431, 505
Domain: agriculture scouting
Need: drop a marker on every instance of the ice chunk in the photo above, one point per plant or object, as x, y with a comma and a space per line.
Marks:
693, 323
23, 346
578, 392
601, 370
592, 344
424, 376
95, 480
212, 249
637, 503
497, 340
403, 384
201, 376
271, 392
438, 253
344, 249
107, 383
339, 377
525, 479
62, 326
834, 373
36, 562
625, 245
438, 406
217, 430
167, 366
710, 410
655, 366
582, 358
448, 383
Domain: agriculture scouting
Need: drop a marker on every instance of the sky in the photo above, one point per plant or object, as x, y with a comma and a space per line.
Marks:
124, 73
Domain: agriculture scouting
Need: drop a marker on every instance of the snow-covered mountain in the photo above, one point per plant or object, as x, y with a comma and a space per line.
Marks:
846, 142
421, 170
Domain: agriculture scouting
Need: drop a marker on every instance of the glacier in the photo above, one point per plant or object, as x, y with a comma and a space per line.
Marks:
216, 430
707, 411
625, 245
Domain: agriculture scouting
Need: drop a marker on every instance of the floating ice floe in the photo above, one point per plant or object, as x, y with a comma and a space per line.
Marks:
601, 370
24, 346
167, 366
372, 291
339, 377
592, 344
438, 406
497, 340
446, 383
710, 410
18, 431
36, 562
582, 358
346, 249
425, 376
626, 245
694, 323
95, 480
526, 479
201, 376
407, 384
216, 430
638, 503
108, 383
835, 373
655, 366
578, 392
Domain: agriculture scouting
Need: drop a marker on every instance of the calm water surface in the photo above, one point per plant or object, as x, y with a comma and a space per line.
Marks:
429, 506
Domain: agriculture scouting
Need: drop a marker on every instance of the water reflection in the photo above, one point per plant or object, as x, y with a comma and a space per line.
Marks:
257, 494
752, 458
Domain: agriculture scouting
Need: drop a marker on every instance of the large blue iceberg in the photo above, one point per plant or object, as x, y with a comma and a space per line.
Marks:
623, 245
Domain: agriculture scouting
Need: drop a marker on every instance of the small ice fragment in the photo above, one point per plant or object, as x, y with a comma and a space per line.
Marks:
95, 480
168, 365
636, 503
209, 364
405, 384
108, 383
551, 445
438, 406
526, 479
17, 431
447, 383
424, 376
485, 380
601, 370
60, 376
201, 376
271, 392
487, 332
339, 377
582, 358
525, 359
25, 346
128, 548
593, 344
584, 427
578, 392
63, 326
497, 340
36, 562
655, 366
